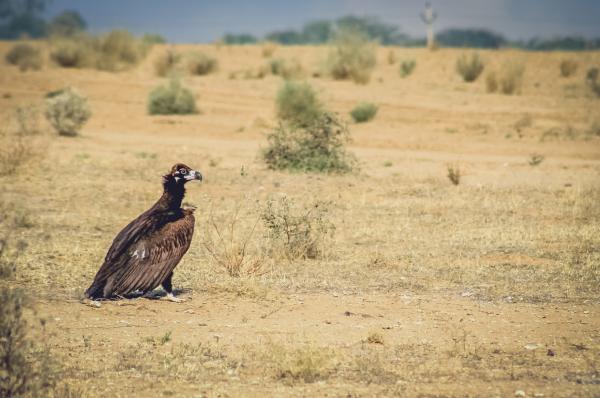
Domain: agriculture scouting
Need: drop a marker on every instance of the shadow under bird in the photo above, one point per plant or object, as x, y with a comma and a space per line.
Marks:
145, 253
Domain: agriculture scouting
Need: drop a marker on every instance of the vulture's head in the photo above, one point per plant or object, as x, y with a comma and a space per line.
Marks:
180, 173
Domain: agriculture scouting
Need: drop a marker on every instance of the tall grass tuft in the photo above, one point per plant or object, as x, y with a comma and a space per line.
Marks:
352, 56
469, 67
199, 63
407, 67
25, 56
364, 112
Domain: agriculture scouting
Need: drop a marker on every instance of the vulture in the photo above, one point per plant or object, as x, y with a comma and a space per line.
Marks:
145, 253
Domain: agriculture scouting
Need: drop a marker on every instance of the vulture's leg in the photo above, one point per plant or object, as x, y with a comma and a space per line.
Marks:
168, 286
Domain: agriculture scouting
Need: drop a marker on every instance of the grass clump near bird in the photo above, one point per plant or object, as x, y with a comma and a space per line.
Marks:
364, 112
67, 111
172, 99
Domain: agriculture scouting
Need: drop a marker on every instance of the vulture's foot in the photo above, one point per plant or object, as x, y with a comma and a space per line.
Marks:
174, 299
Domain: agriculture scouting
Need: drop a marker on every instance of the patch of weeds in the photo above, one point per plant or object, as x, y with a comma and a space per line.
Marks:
375, 338
469, 67
364, 112
297, 232
352, 56
167, 63
268, 48
388, 163
67, 111
491, 82
307, 363
407, 67
535, 159
199, 63
288, 69
511, 78
454, 174
230, 244
591, 79
172, 99
318, 145
568, 67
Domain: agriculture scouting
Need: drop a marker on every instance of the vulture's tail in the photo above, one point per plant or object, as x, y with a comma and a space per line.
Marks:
95, 291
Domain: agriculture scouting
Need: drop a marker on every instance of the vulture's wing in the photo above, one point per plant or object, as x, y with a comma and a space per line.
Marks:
144, 254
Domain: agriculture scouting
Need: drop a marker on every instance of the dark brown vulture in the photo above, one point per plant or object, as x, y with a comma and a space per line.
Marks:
145, 253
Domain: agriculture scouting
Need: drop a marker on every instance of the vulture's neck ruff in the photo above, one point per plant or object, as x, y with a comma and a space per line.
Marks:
173, 194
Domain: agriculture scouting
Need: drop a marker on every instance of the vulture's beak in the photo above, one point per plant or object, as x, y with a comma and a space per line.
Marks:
193, 175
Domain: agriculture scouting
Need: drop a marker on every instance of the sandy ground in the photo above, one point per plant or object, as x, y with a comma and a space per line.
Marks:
476, 296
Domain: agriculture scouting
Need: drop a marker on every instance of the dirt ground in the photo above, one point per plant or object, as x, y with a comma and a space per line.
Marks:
487, 288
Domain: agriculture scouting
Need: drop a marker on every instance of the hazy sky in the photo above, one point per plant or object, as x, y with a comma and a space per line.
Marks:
202, 21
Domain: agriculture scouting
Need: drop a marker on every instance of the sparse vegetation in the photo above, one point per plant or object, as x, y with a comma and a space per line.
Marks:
297, 232
535, 159
72, 53
469, 67
568, 67
166, 63
172, 99
298, 103
491, 82
511, 78
199, 63
25, 56
592, 82
288, 69
352, 56
407, 67
364, 112
317, 145
454, 174
67, 111
268, 49
307, 363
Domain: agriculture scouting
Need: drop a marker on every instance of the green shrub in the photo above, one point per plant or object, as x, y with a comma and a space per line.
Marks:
407, 67
288, 69
67, 111
511, 78
364, 112
298, 103
166, 63
25, 56
172, 99
568, 67
469, 67
72, 53
199, 63
352, 56
316, 146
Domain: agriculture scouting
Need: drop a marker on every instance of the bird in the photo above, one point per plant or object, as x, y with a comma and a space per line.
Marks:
145, 253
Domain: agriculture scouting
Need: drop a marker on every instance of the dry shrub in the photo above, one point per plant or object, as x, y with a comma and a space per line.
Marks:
288, 69
268, 49
469, 67
454, 174
27, 369
76, 52
407, 67
172, 99
166, 63
199, 63
591, 80
230, 244
568, 67
364, 112
391, 57
25, 56
297, 232
511, 78
16, 143
352, 56
491, 82
317, 145
67, 111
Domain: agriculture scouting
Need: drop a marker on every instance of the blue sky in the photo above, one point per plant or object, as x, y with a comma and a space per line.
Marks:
203, 21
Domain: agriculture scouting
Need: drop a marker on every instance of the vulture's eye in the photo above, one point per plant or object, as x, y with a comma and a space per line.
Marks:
182, 171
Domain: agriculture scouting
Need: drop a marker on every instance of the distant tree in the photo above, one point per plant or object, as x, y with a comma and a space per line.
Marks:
563, 43
386, 34
472, 38
317, 32
242, 38
67, 23
21, 18
286, 37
